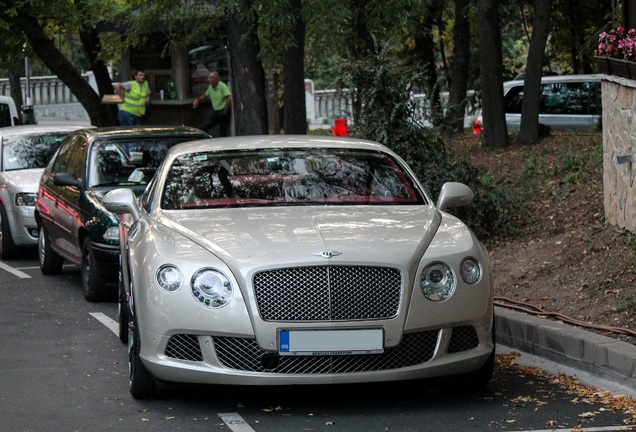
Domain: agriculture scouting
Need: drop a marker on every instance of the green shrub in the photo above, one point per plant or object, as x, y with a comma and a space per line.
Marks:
387, 114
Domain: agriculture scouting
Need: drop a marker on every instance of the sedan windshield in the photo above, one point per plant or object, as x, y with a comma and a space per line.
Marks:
128, 162
30, 151
287, 177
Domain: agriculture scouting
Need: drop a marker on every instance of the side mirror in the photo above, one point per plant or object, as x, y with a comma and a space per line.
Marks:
120, 201
66, 179
454, 195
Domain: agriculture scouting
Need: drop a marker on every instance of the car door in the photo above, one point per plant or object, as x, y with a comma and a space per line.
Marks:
67, 213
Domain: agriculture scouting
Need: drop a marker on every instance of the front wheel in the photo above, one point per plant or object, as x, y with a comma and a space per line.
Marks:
142, 385
93, 285
50, 262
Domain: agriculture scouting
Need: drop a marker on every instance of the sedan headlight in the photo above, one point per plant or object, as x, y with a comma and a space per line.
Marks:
471, 270
25, 199
211, 288
437, 282
169, 278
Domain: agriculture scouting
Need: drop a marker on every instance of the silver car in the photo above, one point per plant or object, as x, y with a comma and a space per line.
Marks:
24, 152
567, 103
298, 260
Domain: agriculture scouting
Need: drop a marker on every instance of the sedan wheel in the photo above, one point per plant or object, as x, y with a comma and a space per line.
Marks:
50, 262
92, 283
141, 383
8, 249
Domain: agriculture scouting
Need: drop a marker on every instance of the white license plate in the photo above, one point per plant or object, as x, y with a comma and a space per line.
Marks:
330, 342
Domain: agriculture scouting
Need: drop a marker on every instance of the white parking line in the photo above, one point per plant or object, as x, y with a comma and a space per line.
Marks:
594, 429
109, 323
235, 422
14, 271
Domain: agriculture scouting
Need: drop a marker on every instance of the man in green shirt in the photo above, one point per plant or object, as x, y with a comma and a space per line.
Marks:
219, 95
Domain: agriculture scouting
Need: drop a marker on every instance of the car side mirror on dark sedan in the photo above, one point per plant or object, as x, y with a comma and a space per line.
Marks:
67, 179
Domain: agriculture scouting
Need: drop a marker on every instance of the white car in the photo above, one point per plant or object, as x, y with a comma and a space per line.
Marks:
24, 152
298, 260
568, 103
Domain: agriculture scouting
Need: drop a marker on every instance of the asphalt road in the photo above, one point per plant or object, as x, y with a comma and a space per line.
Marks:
62, 368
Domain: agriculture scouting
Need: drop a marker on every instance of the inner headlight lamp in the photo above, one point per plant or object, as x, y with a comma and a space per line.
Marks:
211, 288
437, 282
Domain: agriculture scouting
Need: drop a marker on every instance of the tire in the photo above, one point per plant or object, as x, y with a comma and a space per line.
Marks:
480, 378
8, 249
142, 385
50, 262
93, 285
122, 306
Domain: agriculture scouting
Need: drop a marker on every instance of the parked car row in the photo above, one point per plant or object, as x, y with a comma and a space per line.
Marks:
265, 260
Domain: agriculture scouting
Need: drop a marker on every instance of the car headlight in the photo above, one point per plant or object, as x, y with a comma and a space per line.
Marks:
437, 282
25, 199
211, 288
112, 233
169, 278
470, 270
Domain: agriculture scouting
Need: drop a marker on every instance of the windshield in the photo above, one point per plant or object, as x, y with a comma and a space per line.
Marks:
287, 177
128, 162
30, 151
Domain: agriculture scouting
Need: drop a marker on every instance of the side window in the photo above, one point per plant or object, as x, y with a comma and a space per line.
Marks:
77, 159
573, 98
514, 100
5, 115
60, 160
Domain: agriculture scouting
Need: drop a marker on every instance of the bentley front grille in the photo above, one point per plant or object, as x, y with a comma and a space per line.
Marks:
245, 355
328, 293
462, 339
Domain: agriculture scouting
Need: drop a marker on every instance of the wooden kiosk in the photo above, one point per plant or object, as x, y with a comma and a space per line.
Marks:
180, 75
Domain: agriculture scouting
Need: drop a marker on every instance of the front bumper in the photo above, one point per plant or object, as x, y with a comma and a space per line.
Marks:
240, 361
24, 229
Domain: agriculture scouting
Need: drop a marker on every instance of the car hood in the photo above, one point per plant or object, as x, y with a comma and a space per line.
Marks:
27, 180
306, 235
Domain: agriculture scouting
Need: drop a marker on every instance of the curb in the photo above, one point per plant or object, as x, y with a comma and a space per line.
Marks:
599, 355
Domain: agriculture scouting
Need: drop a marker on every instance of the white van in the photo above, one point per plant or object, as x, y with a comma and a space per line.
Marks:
8, 112
568, 102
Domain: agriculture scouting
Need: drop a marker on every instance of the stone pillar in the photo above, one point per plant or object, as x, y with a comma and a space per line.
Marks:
619, 151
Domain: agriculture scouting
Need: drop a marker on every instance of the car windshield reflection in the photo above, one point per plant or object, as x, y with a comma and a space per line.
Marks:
30, 151
297, 177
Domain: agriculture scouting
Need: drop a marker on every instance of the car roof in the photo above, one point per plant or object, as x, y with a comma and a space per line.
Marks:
258, 142
558, 79
35, 129
115, 132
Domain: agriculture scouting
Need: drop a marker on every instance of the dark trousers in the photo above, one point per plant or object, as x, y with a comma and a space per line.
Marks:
219, 118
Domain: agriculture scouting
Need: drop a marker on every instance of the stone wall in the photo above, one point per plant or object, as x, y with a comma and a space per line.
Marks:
619, 151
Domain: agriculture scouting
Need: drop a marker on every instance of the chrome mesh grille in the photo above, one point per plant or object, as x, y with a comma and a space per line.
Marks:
328, 293
184, 347
462, 339
245, 355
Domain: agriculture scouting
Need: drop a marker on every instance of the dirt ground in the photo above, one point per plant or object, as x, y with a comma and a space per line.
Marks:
564, 260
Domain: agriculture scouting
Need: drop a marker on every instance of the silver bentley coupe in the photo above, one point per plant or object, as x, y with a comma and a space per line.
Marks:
273, 260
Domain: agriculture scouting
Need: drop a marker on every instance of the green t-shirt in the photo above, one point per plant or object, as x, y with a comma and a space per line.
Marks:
218, 96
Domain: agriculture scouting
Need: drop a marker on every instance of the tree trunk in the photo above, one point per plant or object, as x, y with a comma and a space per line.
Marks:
248, 77
456, 109
295, 111
92, 45
46, 50
529, 131
495, 132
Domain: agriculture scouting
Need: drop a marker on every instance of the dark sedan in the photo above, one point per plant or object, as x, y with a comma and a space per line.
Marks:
72, 221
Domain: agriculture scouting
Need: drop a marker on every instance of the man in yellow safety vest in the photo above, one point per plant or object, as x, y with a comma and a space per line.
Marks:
136, 95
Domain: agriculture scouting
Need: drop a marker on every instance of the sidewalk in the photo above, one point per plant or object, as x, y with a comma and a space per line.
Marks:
599, 355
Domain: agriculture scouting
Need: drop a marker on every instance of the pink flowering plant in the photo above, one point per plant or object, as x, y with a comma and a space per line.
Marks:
617, 43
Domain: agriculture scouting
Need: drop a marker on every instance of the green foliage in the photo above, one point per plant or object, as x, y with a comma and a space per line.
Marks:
388, 115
